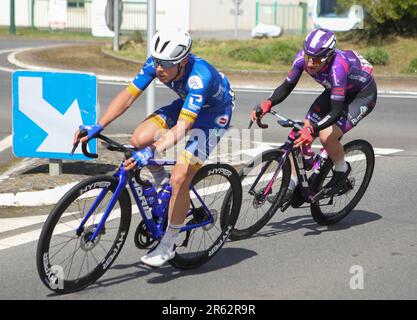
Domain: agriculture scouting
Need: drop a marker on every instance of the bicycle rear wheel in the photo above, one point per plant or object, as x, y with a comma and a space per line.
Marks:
257, 209
66, 260
360, 155
219, 188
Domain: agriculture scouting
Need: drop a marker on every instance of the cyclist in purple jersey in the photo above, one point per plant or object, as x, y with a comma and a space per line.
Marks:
203, 111
350, 94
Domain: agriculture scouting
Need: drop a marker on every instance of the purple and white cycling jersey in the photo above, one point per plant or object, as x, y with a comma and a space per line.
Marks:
348, 72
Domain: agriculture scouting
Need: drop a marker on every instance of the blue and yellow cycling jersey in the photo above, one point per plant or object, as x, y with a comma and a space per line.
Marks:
202, 86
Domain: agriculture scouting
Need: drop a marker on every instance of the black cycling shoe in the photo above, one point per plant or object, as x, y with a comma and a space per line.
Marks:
337, 183
297, 199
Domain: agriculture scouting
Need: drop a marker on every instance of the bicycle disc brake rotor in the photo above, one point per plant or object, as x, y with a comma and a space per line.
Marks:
215, 215
259, 199
85, 243
142, 238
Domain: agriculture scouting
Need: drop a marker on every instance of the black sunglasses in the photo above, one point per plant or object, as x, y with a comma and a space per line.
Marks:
163, 63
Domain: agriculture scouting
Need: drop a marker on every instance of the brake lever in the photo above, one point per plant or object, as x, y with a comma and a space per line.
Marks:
260, 124
74, 147
81, 134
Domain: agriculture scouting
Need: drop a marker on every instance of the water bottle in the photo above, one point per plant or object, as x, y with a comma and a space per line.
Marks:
308, 156
319, 160
150, 194
164, 195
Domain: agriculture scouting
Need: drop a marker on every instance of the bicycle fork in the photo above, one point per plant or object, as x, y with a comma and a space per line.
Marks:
121, 185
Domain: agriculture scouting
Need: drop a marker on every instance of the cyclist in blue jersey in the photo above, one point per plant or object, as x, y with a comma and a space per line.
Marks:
203, 111
350, 94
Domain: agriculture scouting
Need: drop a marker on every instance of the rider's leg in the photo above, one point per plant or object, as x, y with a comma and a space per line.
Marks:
181, 178
294, 177
330, 139
179, 204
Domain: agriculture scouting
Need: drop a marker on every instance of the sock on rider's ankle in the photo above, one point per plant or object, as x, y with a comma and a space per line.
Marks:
341, 166
170, 235
293, 182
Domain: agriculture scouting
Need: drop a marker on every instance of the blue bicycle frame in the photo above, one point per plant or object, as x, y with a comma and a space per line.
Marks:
156, 229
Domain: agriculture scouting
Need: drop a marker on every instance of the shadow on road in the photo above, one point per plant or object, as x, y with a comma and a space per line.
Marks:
76, 167
225, 258
290, 224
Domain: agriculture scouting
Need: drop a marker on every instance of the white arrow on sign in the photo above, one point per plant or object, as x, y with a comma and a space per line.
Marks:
59, 127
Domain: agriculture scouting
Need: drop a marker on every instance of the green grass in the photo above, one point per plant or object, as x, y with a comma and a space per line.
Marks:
412, 68
377, 56
264, 54
394, 56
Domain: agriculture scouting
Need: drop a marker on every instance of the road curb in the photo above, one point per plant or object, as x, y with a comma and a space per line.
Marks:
35, 198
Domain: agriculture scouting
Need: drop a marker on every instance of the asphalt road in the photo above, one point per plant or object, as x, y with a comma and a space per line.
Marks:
292, 257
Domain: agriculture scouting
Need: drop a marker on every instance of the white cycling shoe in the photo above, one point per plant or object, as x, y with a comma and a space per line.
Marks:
159, 256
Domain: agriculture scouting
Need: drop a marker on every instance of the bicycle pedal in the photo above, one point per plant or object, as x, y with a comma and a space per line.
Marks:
318, 196
285, 205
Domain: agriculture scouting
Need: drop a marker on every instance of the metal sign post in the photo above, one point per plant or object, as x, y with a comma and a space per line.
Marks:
151, 26
12, 27
116, 25
55, 167
236, 12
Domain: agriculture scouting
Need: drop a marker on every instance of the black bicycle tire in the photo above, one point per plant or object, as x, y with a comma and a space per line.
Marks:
275, 154
227, 221
52, 220
368, 150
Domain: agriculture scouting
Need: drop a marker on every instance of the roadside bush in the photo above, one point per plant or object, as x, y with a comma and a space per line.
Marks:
266, 53
377, 56
412, 68
384, 17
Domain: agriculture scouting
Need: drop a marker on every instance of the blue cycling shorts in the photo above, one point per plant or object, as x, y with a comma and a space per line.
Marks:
210, 126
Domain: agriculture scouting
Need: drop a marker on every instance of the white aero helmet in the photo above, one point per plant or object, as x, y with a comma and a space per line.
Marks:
171, 45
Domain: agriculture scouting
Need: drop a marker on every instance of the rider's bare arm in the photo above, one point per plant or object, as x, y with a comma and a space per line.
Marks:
118, 106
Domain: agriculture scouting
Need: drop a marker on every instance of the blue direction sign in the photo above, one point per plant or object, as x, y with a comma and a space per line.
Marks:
48, 107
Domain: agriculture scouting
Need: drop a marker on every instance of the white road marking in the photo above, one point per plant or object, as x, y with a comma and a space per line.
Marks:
9, 224
6, 143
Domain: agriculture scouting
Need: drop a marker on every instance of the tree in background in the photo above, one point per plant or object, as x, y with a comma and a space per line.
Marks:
386, 17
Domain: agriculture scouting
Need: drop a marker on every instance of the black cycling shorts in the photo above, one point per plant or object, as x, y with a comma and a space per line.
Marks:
357, 106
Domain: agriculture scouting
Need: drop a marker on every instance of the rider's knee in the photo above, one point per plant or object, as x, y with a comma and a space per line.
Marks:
329, 136
138, 141
178, 180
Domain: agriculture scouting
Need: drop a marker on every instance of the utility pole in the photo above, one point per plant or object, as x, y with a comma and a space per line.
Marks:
116, 24
12, 28
151, 26
236, 12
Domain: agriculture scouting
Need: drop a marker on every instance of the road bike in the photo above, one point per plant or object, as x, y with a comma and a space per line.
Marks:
88, 227
266, 178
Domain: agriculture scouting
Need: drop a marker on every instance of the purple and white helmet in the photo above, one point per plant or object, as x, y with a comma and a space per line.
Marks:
320, 43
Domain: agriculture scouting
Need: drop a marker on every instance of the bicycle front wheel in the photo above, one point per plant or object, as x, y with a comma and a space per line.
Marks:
67, 260
218, 189
257, 207
360, 155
